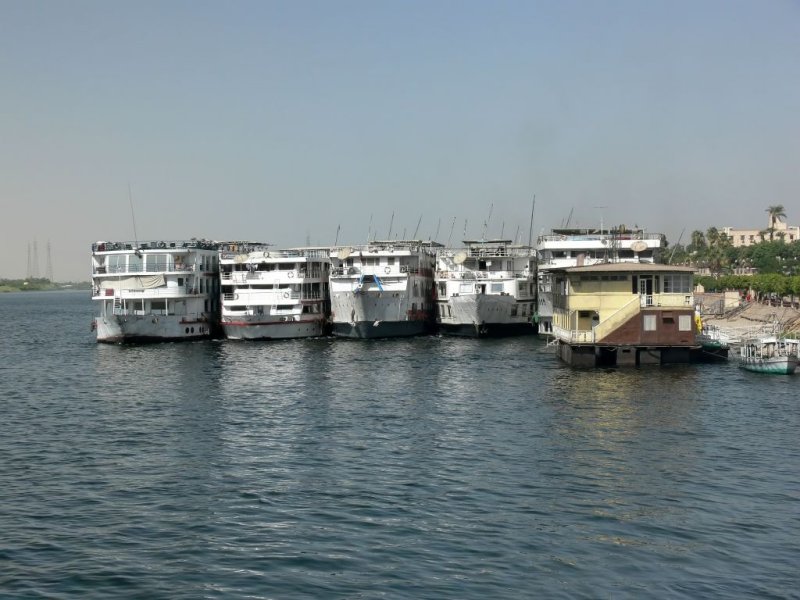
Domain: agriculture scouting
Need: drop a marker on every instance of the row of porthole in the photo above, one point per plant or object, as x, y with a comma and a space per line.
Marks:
191, 330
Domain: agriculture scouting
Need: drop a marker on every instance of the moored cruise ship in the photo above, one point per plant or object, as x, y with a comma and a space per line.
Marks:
575, 247
382, 289
273, 294
155, 291
487, 288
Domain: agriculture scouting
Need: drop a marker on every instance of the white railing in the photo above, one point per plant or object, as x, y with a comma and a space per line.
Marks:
138, 269
573, 336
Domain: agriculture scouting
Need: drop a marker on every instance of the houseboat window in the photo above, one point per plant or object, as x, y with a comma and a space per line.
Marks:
684, 322
679, 283
649, 322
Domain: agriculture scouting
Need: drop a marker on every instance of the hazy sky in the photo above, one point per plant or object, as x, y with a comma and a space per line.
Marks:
280, 121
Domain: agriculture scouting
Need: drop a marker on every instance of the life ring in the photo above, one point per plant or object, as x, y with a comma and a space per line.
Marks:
387, 270
285, 294
290, 274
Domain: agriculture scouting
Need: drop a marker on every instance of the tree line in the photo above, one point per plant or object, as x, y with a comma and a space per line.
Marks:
769, 267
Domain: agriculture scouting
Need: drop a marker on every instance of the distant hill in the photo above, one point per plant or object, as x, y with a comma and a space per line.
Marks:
41, 285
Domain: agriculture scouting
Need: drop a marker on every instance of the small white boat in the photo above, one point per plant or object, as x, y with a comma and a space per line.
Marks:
769, 355
273, 294
155, 291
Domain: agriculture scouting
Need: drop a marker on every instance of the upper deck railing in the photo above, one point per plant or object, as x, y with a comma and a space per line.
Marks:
154, 245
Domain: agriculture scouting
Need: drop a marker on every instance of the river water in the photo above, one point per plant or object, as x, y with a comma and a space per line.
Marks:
417, 468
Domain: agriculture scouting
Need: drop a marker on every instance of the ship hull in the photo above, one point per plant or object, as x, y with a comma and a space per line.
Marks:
242, 330
379, 329
487, 330
139, 329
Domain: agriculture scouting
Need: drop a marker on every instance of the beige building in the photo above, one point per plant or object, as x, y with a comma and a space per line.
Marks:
748, 237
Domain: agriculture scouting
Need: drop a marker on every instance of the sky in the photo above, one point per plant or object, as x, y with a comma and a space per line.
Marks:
290, 122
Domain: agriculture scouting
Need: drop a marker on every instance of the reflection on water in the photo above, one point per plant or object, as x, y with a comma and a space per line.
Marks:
429, 467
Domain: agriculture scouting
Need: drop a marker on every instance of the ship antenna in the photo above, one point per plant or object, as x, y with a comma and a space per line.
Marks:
133, 217
452, 226
676, 246
336, 241
369, 227
530, 231
436, 235
413, 237
516, 235
391, 223
486, 223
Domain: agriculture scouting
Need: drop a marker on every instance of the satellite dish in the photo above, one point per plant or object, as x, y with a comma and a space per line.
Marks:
638, 246
460, 257
343, 253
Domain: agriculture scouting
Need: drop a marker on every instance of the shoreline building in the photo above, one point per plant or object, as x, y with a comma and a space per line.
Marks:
747, 237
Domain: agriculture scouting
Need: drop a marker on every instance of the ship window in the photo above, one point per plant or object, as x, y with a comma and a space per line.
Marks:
684, 322
156, 262
134, 263
649, 322
513, 310
497, 288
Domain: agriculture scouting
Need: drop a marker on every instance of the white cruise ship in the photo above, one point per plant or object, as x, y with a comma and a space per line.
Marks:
155, 291
382, 289
486, 289
273, 294
583, 247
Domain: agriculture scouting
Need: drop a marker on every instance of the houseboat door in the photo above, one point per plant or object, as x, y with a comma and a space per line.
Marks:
646, 289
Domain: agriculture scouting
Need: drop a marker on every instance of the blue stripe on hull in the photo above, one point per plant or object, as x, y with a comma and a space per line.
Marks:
384, 329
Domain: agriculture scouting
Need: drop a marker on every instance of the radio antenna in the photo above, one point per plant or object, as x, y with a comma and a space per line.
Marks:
133, 217
413, 237
530, 231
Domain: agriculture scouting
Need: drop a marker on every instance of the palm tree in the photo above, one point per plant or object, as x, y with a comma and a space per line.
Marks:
776, 213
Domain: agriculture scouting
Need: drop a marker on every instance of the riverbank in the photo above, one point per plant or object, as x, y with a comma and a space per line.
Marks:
755, 316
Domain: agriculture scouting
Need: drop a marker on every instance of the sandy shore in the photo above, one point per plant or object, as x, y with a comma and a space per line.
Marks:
755, 317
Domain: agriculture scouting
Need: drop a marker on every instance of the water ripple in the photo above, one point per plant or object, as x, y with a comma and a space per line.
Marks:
431, 467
